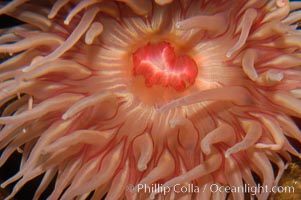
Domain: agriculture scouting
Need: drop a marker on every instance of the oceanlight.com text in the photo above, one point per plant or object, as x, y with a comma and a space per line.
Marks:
213, 188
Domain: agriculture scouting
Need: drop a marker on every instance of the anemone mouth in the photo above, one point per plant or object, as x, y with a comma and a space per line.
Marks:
88, 113
159, 65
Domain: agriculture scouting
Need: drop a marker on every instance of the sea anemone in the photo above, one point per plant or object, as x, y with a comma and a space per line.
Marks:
103, 96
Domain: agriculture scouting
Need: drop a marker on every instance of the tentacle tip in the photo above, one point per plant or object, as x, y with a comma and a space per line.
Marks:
152, 196
254, 77
66, 22
229, 54
206, 150
161, 109
65, 117
178, 25
172, 123
227, 154
26, 69
45, 151
282, 3
88, 41
142, 167
4, 185
51, 15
